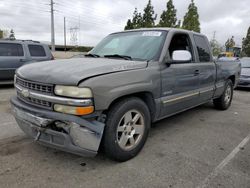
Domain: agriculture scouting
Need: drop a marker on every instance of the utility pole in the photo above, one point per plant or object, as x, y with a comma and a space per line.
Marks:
64, 34
214, 35
52, 26
79, 31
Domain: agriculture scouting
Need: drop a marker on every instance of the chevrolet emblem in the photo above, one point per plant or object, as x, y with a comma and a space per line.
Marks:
25, 93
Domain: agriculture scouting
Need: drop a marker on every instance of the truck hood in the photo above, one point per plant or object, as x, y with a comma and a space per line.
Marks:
245, 71
73, 71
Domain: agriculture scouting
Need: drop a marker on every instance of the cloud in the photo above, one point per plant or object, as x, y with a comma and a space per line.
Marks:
30, 19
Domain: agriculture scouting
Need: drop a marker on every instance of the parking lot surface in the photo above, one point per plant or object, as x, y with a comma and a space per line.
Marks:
202, 147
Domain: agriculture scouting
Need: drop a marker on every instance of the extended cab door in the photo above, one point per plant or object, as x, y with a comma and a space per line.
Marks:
207, 68
11, 58
180, 81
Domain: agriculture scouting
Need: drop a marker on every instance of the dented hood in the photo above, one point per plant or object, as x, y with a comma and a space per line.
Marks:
72, 71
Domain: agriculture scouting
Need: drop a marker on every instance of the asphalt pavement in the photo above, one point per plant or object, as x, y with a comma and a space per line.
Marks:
202, 147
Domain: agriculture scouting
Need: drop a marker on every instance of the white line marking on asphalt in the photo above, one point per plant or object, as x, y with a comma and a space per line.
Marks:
7, 123
217, 169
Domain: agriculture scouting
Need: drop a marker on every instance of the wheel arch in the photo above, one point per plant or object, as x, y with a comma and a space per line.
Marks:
232, 78
145, 96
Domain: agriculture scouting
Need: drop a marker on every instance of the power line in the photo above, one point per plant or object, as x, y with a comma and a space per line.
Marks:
89, 21
24, 6
67, 5
93, 20
86, 17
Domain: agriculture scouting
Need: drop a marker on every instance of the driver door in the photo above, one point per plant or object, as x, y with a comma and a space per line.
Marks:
180, 81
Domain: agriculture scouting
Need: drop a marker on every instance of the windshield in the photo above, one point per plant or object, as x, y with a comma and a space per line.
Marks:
245, 63
138, 45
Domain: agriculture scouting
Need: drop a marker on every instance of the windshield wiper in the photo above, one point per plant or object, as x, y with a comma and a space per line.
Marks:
119, 56
92, 55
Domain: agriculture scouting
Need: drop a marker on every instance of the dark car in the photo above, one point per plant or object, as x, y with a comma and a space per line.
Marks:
15, 53
245, 73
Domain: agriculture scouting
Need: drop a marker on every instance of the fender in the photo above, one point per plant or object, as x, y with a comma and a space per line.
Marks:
109, 87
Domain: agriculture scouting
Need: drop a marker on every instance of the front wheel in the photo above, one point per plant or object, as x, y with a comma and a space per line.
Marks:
224, 102
127, 128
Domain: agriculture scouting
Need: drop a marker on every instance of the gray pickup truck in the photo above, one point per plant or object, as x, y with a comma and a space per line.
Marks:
109, 98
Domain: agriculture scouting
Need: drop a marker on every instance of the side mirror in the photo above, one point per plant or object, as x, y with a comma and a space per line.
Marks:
181, 56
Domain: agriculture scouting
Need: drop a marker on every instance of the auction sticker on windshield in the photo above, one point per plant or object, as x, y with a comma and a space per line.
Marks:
152, 33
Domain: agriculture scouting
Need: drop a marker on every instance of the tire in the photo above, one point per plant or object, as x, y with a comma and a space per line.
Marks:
127, 128
225, 100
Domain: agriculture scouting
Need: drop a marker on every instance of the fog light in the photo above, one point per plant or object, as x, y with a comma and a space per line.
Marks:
75, 110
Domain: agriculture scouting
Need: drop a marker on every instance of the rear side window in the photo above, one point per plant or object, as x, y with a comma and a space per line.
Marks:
36, 51
203, 49
11, 49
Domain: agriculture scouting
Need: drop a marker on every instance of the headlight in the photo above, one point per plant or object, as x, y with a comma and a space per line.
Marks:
72, 91
74, 110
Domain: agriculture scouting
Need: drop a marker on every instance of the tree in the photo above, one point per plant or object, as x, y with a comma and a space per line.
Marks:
246, 44
168, 17
137, 19
230, 43
1, 34
148, 18
12, 35
6, 33
191, 18
216, 47
129, 25
136, 22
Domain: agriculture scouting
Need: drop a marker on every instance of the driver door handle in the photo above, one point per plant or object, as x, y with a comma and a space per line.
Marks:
196, 72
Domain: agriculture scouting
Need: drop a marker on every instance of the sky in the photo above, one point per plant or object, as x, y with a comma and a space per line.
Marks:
30, 19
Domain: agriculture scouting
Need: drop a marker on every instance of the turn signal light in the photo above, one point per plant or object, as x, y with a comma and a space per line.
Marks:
75, 110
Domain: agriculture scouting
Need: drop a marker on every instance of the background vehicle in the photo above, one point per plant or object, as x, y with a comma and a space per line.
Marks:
231, 52
226, 54
245, 73
15, 53
129, 80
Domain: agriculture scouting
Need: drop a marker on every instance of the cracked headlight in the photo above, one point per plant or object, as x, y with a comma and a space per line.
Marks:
72, 91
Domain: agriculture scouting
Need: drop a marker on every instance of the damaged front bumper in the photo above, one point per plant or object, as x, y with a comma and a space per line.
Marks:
61, 131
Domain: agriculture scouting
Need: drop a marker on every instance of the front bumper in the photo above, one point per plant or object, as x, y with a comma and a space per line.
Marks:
80, 136
244, 83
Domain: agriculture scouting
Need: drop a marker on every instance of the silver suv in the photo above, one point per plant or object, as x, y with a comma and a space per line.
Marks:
15, 53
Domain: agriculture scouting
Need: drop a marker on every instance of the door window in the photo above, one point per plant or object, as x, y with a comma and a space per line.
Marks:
180, 42
203, 49
11, 49
36, 51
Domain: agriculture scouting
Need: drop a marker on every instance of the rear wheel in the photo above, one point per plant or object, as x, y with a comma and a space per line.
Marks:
224, 102
127, 128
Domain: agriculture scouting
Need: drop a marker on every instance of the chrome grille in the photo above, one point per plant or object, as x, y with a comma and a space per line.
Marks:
34, 86
36, 102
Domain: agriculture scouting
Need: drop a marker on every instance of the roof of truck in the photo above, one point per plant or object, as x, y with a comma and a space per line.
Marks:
159, 29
